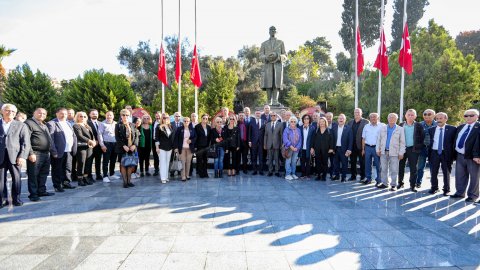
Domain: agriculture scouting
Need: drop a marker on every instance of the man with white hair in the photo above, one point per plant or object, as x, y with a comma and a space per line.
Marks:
369, 144
391, 148
14, 149
467, 168
357, 124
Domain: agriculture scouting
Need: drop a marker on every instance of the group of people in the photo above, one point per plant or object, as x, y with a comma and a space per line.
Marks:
265, 143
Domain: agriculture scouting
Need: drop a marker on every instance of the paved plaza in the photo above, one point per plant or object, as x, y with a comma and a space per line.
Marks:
242, 222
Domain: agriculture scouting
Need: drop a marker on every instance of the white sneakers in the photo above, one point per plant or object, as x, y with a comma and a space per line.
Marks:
134, 175
288, 177
294, 176
164, 181
115, 177
106, 179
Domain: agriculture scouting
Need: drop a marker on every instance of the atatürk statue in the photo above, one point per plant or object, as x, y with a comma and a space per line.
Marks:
273, 55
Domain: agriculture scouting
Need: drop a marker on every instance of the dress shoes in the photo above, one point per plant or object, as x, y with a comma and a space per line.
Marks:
255, 173
59, 189
413, 189
148, 174
34, 199
67, 185
126, 185
261, 173
418, 185
457, 196
18, 203
277, 174
469, 199
445, 193
99, 178
270, 174
393, 188
382, 186
45, 194
155, 173
433, 191
343, 180
352, 179
130, 185
335, 178
367, 182
401, 185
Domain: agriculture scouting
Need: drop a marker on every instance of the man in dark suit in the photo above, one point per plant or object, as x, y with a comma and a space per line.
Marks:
467, 147
255, 142
357, 124
97, 150
64, 146
272, 142
414, 138
243, 152
266, 116
343, 140
441, 151
14, 147
38, 163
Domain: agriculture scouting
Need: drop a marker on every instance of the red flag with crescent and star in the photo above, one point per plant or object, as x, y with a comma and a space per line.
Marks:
405, 57
195, 75
381, 62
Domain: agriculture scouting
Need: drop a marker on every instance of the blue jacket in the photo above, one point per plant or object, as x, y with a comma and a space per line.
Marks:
255, 134
288, 138
347, 138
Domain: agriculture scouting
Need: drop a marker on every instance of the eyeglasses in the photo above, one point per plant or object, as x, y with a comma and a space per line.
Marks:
10, 111
427, 114
177, 115
205, 118
469, 115
231, 118
186, 121
165, 117
82, 116
273, 115
218, 122
125, 114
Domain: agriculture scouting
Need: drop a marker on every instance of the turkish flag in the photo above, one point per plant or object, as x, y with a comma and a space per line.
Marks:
382, 58
359, 53
195, 75
162, 67
405, 57
178, 64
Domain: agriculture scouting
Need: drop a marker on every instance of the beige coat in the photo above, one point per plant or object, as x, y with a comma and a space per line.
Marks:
397, 141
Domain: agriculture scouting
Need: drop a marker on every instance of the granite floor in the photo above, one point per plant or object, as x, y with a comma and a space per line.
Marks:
242, 222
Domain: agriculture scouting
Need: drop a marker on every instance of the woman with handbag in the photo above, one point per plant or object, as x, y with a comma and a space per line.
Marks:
184, 144
126, 136
218, 137
321, 145
232, 145
202, 144
145, 145
292, 143
85, 143
164, 143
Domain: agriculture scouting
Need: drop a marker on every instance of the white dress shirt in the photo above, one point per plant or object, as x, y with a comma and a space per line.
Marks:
370, 133
339, 136
436, 137
6, 126
305, 135
68, 133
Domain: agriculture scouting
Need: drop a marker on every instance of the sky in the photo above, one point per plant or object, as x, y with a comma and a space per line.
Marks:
65, 38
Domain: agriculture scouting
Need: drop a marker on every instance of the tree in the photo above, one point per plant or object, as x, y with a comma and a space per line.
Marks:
28, 91
369, 13
320, 48
344, 64
220, 91
415, 11
298, 102
4, 52
469, 43
250, 76
342, 99
301, 65
101, 91
142, 64
443, 79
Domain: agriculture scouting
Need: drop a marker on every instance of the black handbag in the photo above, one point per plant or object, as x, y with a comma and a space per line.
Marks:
212, 152
129, 160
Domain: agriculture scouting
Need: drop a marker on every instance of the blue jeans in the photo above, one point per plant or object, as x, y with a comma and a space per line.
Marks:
422, 163
218, 162
370, 154
291, 163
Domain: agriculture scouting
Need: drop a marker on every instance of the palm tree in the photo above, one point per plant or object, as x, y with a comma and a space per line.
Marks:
4, 52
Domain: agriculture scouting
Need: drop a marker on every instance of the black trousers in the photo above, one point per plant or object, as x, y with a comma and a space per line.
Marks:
84, 161
305, 162
242, 156
436, 162
357, 155
230, 158
321, 164
144, 158
257, 157
412, 158
156, 160
37, 173
202, 159
109, 159
97, 156
14, 170
59, 170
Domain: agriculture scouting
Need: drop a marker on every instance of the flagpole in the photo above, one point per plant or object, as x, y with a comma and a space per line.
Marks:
196, 88
379, 102
402, 87
161, 47
180, 55
356, 53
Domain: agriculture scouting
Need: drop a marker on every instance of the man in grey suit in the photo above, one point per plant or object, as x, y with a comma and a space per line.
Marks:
271, 142
14, 147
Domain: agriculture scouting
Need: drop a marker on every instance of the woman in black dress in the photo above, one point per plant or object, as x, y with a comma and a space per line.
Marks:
126, 136
232, 145
85, 143
320, 146
204, 133
145, 145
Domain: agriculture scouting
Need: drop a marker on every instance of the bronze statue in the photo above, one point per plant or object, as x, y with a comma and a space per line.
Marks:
273, 55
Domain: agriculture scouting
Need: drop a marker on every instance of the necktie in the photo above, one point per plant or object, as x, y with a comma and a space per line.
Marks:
96, 125
258, 124
273, 127
461, 142
440, 142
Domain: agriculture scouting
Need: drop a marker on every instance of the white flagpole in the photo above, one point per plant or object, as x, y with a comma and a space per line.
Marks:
179, 79
379, 102
356, 54
163, 86
196, 88
402, 87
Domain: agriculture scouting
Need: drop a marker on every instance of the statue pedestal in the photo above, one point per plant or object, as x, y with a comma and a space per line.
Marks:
274, 108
